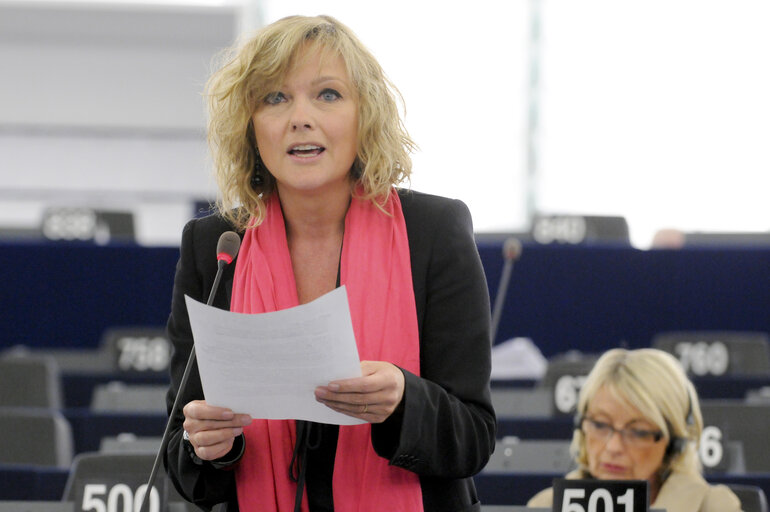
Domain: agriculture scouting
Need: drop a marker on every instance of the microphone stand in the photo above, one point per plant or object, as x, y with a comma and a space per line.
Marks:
511, 251
182, 384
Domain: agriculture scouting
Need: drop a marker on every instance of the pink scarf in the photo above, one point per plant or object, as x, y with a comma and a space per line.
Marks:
376, 271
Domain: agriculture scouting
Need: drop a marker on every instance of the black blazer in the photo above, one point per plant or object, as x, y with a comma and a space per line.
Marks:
446, 433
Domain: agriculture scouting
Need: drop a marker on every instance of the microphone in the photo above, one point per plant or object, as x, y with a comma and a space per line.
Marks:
511, 252
227, 249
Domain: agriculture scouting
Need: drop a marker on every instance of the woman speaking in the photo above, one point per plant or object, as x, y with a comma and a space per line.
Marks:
309, 150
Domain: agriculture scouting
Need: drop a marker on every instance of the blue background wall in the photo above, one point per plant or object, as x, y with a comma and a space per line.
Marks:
562, 297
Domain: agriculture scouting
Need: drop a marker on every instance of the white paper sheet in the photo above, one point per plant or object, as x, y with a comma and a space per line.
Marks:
268, 365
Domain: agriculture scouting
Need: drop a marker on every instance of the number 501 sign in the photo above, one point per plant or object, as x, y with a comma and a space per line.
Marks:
600, 495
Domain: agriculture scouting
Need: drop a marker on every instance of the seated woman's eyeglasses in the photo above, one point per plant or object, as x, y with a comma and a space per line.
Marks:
634, 437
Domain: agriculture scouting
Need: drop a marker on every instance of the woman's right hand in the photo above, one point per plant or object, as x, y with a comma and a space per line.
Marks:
211, 430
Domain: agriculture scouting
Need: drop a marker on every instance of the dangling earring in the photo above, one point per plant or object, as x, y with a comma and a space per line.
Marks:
257, 179
356, 171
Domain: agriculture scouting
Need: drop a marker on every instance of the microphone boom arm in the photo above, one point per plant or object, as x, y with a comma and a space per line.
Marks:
226, 239
511, 252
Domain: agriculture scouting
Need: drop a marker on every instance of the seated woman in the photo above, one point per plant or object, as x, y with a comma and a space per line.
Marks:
645, 398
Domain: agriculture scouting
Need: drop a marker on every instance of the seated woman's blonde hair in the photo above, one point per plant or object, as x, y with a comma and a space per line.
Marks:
655, 383
257, 68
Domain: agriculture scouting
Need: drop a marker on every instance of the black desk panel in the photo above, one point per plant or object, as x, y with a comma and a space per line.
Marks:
536, 428
32, 483
88, 428
78, 388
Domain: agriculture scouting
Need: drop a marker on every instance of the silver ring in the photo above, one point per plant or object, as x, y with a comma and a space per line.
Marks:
186, 435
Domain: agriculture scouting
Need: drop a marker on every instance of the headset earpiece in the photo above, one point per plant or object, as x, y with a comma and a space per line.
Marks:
678, 444
690, 419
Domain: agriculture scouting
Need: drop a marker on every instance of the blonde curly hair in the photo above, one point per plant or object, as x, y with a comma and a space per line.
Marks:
257, 68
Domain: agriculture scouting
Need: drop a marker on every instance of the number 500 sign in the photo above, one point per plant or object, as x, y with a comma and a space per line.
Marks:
600, 495
117, 498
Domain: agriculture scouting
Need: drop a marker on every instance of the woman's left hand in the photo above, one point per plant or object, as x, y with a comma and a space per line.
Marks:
372, 397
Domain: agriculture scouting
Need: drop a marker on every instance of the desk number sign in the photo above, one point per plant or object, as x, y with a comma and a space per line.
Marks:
117, 495
600, 495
